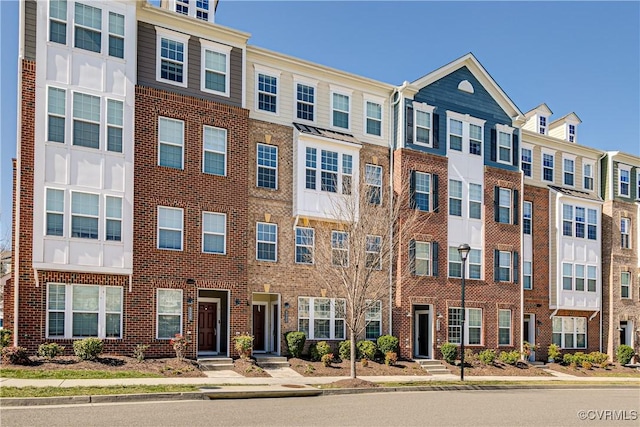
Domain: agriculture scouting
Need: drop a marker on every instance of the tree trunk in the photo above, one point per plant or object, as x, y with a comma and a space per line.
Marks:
353, 355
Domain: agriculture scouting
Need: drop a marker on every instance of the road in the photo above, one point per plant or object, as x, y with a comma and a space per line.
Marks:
537, 407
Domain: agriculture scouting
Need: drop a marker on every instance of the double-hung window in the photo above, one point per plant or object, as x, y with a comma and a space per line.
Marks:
579, 277
422, 191
215, 68
305, 239
475, 139
505, 146
86, 120
170, 228
85, 211
568, 166
329, 171
567, 220
169, 312
527, 209
55, 212
591, 278
624, 175
527, 278
182, 6
347, 173
455, 197
266, 241
88, 27
171, 54
547, 167
587, 169
475, 201
113, 218
422, 258
504, 206
170, 142
373, 125
214, 233
567, 276
311, 162
340, 110
373, 181
473, 326
455, 262
267, 93
202, 9
572, 133
580, 220
455, 135
56, 106
58, 21
305, 101
504, 267
423, 127
569, 332
115, 122
526, 158
625, 284
116, 35
373, 320
504, 327
267, 176
373, 252
592, 224
340, 248
214, 150
542, 122
322, 318
475, 264
625, 233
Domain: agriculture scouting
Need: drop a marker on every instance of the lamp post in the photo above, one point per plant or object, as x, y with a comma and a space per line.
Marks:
463, 250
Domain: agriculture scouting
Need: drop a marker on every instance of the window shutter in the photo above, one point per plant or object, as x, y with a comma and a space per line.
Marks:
409, 130
515, 267
436, 131
412, 257
516, 210
434, 258
412, 190
496, 265
494, 143
434, 191
496, 199
516, 151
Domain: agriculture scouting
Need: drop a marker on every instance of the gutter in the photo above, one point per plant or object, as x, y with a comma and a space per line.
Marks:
391, 200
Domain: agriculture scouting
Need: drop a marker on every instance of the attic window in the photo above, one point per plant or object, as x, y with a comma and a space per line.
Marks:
465, 86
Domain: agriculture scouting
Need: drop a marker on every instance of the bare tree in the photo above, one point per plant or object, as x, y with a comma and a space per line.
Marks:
353, 255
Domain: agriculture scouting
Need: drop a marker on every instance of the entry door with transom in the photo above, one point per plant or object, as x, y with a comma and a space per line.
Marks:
422, 343
259, 325
207, 326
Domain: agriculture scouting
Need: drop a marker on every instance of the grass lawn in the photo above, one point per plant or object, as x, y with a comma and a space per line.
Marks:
92, 391
71, 374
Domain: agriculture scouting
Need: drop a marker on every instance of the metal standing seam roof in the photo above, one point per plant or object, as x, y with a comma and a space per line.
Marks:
576, 193
326, 133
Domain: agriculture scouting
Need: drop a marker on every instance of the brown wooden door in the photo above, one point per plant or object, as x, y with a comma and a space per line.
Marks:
259, 326
207, 326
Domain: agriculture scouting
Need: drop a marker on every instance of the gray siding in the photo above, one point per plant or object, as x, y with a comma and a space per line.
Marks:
30, 8
147, 68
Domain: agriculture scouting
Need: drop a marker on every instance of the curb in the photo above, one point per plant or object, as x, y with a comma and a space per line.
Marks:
103, 398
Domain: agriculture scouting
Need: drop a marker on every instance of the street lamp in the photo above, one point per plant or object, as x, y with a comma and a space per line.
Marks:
463, 250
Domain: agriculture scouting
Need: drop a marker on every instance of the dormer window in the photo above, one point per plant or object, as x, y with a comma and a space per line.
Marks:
572, 133
542, 125
199, 9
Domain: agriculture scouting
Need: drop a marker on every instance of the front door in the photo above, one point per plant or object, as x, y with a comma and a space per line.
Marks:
529, 332
207, 326
623, 333
259, 320
422, 343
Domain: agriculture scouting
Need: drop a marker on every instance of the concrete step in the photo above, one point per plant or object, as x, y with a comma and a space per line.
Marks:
433, 367
271, 362
215, 363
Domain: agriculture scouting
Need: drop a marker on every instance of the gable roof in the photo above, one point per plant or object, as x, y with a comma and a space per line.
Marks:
481, 74
567, 117
542, 108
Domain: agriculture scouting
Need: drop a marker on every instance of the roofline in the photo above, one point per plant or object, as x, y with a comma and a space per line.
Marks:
566, 146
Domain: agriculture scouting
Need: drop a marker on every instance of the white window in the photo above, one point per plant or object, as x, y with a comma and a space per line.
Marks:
505, 144
373, 320
76, 311
202, 9
214, 76
572, 133
85, 211
526, 156
182, 6
570, 332
465, 133
88, 27
568, 171
625, 233
311, 163
504, 205
455, 135
373, 252
588, 176
267, 93
340, 110
56, 106
475, 201
373, 125
214, 150
592, 224
329, 174
638, 183
567, 276
321, 318
504, 266
475, 139
116, 35
373, 181
591, 278
55, 212
567, 220
455, 197
423, 127
170, 228
340, 248
579, 276
305, 240
547, 167
527, 275
474, 261
171, 57
170, 142
579, 221
624, 174
169, 312
542, 122
267, 166
473, 326
527, 209
422, 258
504, 327
625, 284
266, 241
214, 233
305, 101
58, 21
421, 194
86, 120
115, 118
455, 262
113, 218
347, 173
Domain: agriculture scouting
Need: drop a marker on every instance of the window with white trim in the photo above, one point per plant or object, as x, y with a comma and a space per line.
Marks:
113, 219
169, 313
202, 9
170, 142
373, 181
638, 183
587, 173
568, 171
340, 110
525, 160
116, 35
475, 201
266, 242
527, 209
340, 248
625, 285
373, 118
347, 173
569, 332
567, 276
591, 278
182, 6
115, 122
214, 151
579, 276
423, 127
88, 27
373, 320
547, 167
504, 327
322, 318
214, 233
56, 107
85, 211
527, 277
310, 168
305, 101
215, 68
473, 326
504, 205
567, 220
455, 262
305, 242
422, 191
171, 57
475, 139
576, 215
267, 93
267, 166
421, 258
542, 125
504, 267
474, 261
455, 135
592, 224
505, 146
329, 174
77, 311
572, 133
373, 248
55, 212
170, 228
455, 197
86, 120
625, 233
58, 21
624, 179
580, 221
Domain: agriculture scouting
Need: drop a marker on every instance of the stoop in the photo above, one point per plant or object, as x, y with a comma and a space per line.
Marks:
433, 367
269, 361
215, 363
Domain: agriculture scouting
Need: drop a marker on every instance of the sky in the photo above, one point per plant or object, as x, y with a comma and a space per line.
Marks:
581, 57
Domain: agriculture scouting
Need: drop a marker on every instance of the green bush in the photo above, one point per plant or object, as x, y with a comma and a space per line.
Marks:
554, 352
295, 343
390, 358
487, 356
388, 343
567, 359
327, 359
318, 350
50, 350
243, 345
344, 350
579, 357
12, 355
138, 352
449, 352
367, 349
597, 358
624, 354
509, 357
88, 348
586, 364
5, 338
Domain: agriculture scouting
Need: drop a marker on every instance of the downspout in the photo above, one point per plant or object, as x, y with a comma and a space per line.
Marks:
391, 200
521, 267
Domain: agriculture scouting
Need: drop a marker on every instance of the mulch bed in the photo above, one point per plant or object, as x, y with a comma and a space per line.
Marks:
476, 368
613, 370
317, 369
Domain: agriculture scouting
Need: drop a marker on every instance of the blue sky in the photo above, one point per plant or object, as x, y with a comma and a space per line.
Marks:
581, 57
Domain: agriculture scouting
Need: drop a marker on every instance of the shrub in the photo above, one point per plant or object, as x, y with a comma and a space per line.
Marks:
509, 357
138, 352
579, 357
554, 352
88, 348
470, 356
243, 345
597, 358
344, 350
388, 343
390, 358
318, 350
365, 362
295, 343
179, 343
586, 364
449, 352
50, 350
5, 338
15, 355
367, 349
624, 354
327, 359
487, 356
567, 359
